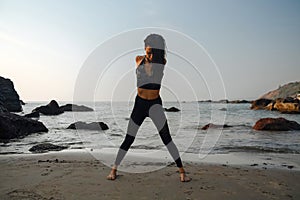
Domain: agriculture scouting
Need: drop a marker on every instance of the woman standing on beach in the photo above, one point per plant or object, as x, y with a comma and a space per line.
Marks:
148, 103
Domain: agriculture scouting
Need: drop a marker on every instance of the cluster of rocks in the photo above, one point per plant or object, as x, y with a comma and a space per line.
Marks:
226, 101
263, 124
53, 108
287, 105
14, 126
45, 147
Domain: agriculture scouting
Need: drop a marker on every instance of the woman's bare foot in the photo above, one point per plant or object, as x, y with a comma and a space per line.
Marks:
112, 175
183, 177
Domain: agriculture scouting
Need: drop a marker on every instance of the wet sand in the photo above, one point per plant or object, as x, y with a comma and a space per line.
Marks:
81, 176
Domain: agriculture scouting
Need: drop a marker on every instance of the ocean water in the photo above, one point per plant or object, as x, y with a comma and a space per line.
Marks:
185, 127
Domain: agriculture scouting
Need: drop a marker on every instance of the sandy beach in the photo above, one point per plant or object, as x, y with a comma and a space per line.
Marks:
65, 175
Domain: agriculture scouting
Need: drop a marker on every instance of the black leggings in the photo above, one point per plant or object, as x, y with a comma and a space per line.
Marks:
148, 108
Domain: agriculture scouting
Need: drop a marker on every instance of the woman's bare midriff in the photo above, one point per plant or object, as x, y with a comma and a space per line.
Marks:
148, 94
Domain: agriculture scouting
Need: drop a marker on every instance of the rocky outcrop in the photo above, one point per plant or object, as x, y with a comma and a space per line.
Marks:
288, 105
287, 90
226, 101
240, 101
54, 109
172, 109
75, 108
88, 126
276, 124
2, 108
211, 125
15, 126
284, 99
9, 98
45, 147
50, 109
33, 115
260, 104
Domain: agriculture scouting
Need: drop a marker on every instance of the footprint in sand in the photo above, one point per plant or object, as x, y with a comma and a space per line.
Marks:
188, 192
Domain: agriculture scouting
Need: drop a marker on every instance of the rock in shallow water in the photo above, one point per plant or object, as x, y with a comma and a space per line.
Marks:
89, 126
261, 104
54, 109
50, 109
287, 105
45, 147
14, 126
172, 109
76, 108
276, 124
33, 115
211, 125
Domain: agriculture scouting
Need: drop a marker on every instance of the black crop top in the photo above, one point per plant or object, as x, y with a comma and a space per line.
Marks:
149, 75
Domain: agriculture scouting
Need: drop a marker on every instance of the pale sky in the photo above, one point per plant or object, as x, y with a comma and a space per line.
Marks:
44, 44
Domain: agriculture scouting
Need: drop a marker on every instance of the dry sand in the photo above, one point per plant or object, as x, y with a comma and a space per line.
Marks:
80, 176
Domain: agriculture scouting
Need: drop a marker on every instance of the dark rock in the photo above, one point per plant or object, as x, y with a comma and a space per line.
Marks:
54, 109
45, 147
276, 124
51, 109
222, 101
172, 109
260, 104
287, 105
211, 125
240, 101
76, 108
88, 126
14, 126
290, 166
205, 101
9, 98
2, 108
33, 115
289, 100
22, 102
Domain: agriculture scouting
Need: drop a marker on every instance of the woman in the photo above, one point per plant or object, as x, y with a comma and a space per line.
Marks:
148, 103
